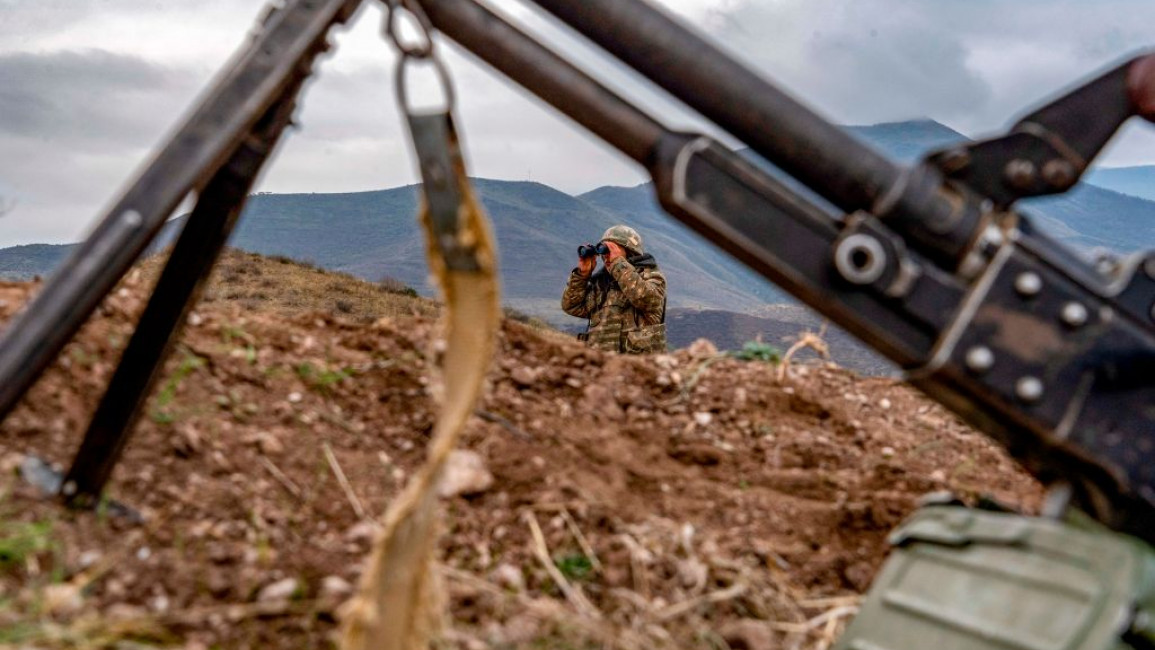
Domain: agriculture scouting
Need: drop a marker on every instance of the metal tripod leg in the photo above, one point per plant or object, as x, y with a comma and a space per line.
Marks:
279, 55
177, 290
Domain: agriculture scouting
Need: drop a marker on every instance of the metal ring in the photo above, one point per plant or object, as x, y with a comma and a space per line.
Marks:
860, 259
423, 49
442, 74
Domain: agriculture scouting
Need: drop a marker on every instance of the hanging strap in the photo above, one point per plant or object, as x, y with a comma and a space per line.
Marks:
397, 606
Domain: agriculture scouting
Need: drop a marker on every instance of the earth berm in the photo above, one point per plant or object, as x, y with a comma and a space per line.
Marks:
687, 500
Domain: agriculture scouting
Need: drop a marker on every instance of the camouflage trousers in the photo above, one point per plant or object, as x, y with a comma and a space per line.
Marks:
645, 339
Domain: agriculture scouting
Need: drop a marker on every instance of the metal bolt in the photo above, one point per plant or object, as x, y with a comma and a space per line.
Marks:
954, 161
1021, 174
1029, 389
980, 358
1028, 284
1074, 314
1059, 174
1107, 264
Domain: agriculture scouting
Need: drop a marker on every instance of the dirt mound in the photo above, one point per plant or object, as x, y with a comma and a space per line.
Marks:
683, 500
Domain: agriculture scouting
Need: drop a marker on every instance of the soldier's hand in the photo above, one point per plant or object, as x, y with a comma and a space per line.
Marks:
586, 265
616, 251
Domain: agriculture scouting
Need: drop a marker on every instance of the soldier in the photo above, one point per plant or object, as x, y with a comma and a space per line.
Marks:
625, 301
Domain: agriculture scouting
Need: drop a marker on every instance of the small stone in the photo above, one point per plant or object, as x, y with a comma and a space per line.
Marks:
64, 598
888, 452
295, 397
270, 445
938, 475
278, 591
692, 573
884, 404
703, 418
159, 603
465, 474
523, 377
187, 441
508, 577
195, 319
88, 558
747, 634
335, 588
361, 532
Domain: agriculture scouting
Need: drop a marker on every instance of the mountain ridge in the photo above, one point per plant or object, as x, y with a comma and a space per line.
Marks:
371, 233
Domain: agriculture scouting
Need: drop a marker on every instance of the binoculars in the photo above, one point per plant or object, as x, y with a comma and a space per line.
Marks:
586, 251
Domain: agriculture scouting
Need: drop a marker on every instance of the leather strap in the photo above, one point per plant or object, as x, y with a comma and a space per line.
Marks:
397, 605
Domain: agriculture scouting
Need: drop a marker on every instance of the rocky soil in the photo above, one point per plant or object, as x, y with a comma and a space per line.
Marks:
684, 500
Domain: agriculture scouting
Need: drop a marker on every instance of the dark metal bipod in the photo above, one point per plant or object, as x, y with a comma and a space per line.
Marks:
177, 290
218, 153
277, 58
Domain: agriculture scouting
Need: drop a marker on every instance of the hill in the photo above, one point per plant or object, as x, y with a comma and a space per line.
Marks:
30, 260
373, 236
1134, 181
687, 497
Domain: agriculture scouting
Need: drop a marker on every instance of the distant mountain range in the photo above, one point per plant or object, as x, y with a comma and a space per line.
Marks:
373, 234
1135, 181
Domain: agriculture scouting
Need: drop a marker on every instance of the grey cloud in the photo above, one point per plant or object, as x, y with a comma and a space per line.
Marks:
972, 64
861, 62
88, 98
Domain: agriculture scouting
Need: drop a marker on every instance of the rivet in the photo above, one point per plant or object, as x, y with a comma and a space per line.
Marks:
980, 358
1074, 314
954, 161
1021, 173
1028, 284
1059, 174
1029, 389
1108, 264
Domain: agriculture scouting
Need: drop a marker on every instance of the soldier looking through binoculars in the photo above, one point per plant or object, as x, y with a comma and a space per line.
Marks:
625, 301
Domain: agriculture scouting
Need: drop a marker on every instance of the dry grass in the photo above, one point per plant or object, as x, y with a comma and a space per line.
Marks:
285, 286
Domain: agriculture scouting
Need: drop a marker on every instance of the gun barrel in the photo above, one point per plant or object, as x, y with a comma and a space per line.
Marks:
826, 158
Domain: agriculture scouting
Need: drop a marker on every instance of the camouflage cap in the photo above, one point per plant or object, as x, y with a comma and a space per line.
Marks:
626, 237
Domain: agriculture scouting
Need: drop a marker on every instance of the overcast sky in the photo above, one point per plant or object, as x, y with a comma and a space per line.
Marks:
88, 87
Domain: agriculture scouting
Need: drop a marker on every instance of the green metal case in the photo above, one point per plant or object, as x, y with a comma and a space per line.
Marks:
963, 579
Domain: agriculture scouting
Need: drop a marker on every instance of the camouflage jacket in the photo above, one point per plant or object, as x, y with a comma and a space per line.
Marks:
626, 305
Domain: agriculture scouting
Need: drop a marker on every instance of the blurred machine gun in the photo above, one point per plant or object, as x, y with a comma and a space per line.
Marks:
931, 265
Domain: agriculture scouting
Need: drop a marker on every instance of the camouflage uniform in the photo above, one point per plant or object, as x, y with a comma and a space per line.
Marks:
624, 302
